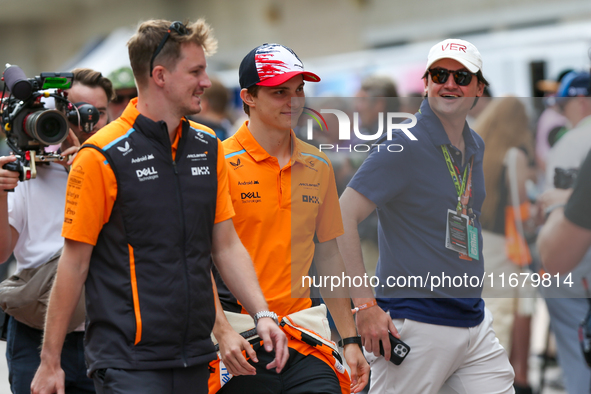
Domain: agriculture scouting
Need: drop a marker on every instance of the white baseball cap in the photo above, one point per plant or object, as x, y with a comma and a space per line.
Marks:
458, 50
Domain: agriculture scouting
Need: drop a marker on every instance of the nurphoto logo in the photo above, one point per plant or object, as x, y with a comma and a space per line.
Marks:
394, 122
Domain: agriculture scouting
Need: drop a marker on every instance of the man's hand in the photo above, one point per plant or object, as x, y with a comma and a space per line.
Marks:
273, 338
49, 378
359, 367
232, 345
373, 325
8, 179
69, 147
552, 197
72, 271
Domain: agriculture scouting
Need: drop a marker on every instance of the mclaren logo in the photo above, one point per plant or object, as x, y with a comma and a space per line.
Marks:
197, 156
310, 185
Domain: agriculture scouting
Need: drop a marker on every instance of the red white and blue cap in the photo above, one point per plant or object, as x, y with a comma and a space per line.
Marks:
272, 65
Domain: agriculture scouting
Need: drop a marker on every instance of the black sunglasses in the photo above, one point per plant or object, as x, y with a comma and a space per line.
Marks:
179, 28
440, 75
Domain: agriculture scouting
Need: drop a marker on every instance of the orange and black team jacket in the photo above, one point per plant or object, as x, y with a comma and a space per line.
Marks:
149, 208
279, 212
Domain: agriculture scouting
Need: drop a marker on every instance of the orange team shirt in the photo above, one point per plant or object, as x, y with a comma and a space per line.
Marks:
92, 186
278, 213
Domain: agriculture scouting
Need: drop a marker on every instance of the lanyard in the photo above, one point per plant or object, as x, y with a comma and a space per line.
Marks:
465, 188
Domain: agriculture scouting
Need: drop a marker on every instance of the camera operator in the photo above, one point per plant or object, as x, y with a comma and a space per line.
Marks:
574, 104
30, 225
566, 236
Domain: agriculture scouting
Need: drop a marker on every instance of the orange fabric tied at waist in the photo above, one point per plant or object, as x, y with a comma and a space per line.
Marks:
303, 340
516, 247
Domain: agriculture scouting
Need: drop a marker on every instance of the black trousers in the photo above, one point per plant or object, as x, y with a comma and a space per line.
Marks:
301, 375
191, 380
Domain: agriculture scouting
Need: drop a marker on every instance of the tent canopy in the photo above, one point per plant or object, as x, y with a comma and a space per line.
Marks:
109, 55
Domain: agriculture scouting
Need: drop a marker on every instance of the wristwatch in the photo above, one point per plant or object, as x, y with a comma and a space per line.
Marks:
552, 207
261, 314
346, 341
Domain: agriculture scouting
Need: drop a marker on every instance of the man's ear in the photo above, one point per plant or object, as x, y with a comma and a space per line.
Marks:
158, 75
247, 98
480, 89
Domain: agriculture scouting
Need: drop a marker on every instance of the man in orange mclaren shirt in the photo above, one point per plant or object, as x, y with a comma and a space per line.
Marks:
284, 194
147, 209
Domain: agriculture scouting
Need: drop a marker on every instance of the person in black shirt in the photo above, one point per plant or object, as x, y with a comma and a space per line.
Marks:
566, 236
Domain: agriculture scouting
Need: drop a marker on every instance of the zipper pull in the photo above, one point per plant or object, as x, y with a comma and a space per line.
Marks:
174, 166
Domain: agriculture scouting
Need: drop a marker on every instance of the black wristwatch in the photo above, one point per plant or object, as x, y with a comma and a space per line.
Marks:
346, 341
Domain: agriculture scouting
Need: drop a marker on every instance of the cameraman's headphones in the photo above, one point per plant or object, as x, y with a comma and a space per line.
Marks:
84, 115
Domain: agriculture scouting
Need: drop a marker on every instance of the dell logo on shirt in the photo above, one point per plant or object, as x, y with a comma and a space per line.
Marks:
249, 195
146, 172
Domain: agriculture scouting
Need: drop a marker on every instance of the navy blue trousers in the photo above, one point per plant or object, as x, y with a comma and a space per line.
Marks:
23, 345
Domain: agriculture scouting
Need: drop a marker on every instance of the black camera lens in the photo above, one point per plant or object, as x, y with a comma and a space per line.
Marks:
49, 127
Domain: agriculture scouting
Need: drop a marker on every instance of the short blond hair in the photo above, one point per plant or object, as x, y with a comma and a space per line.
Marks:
144, 42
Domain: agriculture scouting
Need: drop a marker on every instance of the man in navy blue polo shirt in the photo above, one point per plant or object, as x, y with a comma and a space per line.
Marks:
428, 198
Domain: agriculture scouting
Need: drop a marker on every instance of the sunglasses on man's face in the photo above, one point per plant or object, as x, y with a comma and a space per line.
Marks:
179, 28
440, 76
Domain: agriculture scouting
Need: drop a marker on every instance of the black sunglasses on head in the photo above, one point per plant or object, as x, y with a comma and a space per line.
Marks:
440, 75
179, 28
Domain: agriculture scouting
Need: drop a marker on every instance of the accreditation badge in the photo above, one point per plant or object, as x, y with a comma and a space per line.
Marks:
456, 232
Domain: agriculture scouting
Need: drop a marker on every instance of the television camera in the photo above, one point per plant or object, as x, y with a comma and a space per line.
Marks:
30, 127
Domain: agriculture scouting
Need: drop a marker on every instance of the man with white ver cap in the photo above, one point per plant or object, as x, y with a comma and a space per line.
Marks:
429, 229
